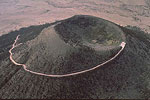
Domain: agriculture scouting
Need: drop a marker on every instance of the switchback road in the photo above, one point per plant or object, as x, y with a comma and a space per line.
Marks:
123, 44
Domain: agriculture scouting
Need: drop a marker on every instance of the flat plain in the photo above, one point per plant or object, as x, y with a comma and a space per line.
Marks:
15, 14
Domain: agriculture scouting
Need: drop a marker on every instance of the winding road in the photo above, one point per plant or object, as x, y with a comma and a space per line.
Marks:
123, 44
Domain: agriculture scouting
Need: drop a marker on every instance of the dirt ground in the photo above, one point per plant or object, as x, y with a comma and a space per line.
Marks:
15, 14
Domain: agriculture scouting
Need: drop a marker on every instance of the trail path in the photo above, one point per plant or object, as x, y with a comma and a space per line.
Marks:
123, 44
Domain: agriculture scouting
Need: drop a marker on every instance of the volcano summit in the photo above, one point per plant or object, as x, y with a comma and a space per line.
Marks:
72, 46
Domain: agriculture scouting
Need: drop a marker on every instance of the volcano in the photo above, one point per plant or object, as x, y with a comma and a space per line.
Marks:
82, 57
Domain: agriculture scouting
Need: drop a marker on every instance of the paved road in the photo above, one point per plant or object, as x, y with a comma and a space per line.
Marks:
123, 44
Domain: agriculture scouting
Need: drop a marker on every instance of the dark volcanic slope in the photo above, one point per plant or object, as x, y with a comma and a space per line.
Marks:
125, 77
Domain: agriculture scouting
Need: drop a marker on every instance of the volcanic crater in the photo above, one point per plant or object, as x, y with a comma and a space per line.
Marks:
71, 45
